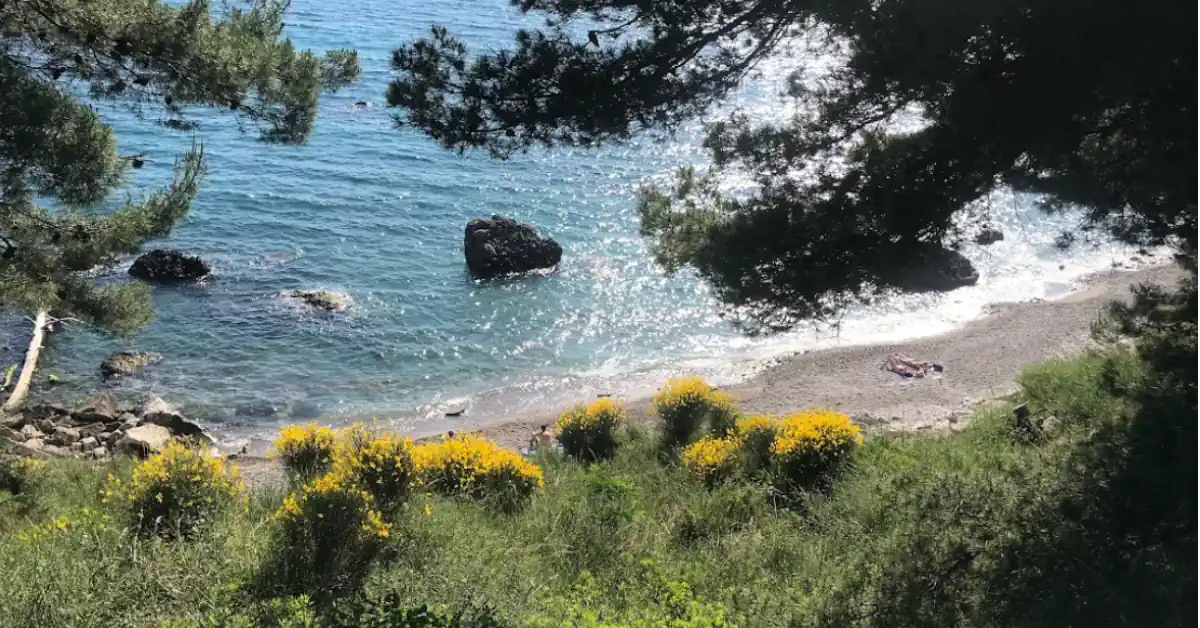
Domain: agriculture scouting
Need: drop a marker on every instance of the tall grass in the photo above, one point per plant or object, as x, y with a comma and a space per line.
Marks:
1084, 525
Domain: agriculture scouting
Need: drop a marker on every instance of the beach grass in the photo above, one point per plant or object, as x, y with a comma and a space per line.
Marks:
1078, 516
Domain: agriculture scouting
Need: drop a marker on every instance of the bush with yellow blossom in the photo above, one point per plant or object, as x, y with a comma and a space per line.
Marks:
476, 468
589, 433
712, 458
687, 405
380, 463
18, 474
327, 534
306, 451
811, 446
755, 435
176, 491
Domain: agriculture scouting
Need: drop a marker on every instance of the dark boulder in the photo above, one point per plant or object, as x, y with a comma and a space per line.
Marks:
167, 266
929, 267
127, 362
503, 246
158, 412
988, 236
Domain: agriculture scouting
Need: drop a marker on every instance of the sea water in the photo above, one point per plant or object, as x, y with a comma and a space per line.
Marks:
378, 213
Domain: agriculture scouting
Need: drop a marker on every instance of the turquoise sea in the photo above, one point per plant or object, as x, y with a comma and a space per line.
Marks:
378, 213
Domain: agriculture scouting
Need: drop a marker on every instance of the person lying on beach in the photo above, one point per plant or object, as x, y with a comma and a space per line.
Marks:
907, 367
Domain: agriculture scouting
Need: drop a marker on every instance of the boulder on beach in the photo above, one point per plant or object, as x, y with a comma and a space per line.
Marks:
989, 235
158, 412
929, 267
503, 246
168, 266
144, 440
127, 362
321, 299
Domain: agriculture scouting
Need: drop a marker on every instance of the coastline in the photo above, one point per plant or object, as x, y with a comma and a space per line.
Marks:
981, 358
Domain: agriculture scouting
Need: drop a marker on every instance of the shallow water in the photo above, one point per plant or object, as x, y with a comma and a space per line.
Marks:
378, 213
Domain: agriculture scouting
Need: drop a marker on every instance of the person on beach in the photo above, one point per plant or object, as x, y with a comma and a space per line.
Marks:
907, 367
543, 438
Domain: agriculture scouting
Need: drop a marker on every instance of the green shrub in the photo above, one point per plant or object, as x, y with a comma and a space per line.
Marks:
326, 537
18, 474
176, 491
305, 451
688, 405
390, 611
289, 612
589, 433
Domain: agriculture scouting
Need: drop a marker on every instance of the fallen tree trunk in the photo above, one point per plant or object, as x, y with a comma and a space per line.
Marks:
31, 358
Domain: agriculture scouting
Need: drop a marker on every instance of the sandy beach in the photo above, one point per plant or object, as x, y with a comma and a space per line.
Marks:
980, 359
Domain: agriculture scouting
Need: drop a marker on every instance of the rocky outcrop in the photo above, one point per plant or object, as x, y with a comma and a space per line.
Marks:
988, 235
321, 299
144, 440
97, 429
929, 267
503, 246
168, 266
127, 362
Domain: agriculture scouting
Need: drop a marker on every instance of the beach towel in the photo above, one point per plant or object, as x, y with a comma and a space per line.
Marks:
909, 368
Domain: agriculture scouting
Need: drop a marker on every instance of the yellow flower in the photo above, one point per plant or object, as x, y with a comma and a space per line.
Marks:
428, 510
710, 457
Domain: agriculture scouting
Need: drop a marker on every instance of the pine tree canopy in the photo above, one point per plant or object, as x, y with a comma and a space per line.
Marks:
1089, 103
59, 161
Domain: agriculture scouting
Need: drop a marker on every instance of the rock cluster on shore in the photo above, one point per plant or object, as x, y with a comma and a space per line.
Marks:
96, 429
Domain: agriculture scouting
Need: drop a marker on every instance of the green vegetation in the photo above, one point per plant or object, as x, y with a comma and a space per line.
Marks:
1083, 514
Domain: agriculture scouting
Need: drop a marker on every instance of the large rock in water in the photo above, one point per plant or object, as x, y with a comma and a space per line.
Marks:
503, 246
930, 267
167, 266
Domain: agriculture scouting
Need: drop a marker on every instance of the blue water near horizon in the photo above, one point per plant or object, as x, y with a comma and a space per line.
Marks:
378, 213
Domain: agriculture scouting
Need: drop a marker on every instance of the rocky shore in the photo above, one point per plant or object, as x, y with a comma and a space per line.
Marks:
97, 429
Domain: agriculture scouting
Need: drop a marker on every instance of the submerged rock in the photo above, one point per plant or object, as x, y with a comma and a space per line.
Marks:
168, 266
321, 299
503, 246
127, 362
930, 267
988, 236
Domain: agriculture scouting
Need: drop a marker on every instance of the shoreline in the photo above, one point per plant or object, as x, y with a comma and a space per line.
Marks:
982, 359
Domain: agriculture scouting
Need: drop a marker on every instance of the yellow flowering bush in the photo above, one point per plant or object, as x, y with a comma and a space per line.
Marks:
810, 446
711, 458
17, 473
686, 405
589, 433
756, 437
328, 532
306, 451
176, 491
379, 462
476, 468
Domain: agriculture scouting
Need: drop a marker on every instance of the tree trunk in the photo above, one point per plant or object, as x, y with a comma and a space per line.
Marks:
31, 357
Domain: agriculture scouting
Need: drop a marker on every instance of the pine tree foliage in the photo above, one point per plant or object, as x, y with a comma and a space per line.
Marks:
1091, 104
59, 161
